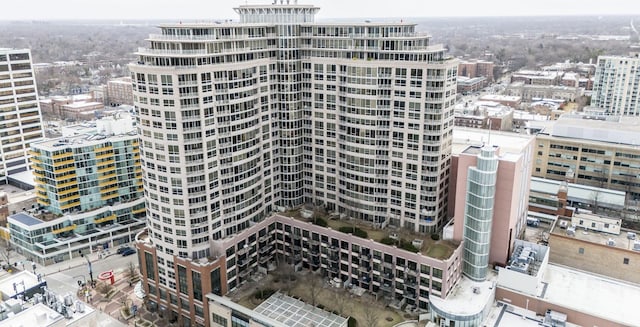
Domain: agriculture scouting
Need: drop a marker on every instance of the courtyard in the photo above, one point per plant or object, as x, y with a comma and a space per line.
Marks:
364, 307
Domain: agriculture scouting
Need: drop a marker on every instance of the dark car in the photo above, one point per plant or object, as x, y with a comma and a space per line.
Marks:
127, 252
124, 248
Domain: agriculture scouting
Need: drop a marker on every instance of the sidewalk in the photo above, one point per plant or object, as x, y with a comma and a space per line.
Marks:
56, 267
124, 294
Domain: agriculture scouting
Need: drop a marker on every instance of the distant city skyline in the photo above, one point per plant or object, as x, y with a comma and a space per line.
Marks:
200, 9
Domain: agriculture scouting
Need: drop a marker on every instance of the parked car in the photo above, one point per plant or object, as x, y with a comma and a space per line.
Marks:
127, 252
123, 249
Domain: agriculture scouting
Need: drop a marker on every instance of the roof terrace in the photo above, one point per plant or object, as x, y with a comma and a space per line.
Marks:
402, 238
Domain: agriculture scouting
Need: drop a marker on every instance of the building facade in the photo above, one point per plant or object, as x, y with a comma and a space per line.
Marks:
240, 119
119, 91
89, 188
616, 86
20, 118
532, 93
478, 213
476, 68
514, 154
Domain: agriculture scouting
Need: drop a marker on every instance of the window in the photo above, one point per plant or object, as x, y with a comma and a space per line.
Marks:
625, 261
182, 280
197, 285
150, 266
581, 250
219, 320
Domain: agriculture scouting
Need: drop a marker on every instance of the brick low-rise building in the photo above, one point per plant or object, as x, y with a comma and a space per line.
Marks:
392, 272
590, 247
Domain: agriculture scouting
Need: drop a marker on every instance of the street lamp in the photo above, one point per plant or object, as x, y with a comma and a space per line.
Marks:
90, 269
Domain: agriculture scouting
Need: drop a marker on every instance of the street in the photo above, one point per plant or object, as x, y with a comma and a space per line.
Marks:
62, 278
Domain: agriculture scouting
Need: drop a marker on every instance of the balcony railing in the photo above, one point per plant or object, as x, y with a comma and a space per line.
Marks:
64, 229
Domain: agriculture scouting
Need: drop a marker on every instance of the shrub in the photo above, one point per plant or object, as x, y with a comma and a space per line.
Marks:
388, 241
320, 222
360, 233
352, 322
408, 246
435, 237
355, 231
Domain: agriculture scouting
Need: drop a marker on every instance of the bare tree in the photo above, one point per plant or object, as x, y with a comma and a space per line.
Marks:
314, 285
6, 251
341, 301
370, 315
131, 273
595, 201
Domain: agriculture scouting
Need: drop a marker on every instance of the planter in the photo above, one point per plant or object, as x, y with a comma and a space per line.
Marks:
143, 323
126, 314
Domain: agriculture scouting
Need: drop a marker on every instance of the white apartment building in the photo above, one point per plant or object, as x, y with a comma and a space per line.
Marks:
616, 86
20, 119
238, 120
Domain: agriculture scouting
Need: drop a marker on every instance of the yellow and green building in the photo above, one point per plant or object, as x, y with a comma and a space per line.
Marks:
89, 190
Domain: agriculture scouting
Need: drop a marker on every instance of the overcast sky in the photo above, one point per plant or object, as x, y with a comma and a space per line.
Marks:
221, 9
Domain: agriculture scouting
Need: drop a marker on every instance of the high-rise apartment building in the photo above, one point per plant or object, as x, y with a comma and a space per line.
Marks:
616, 86
240, 119
76, 174
91, 187
20, 119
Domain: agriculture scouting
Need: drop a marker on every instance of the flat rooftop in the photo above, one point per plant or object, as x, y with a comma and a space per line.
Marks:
76, 105
498, 97
604, 297
621, 241
609, 129
41, 315
26, 177
38, 315
15, 192
468, 297
26, 219
24, 277
502, 315
78, 141
508, 143
292, 312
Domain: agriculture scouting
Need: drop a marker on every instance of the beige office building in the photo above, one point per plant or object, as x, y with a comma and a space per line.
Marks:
599, 151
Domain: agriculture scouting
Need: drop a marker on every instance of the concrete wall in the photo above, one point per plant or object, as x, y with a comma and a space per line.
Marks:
596, 258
